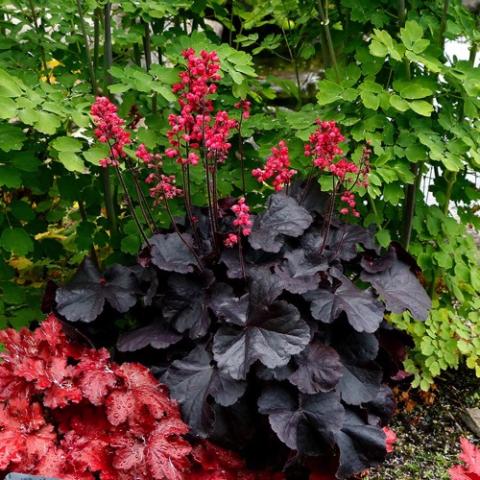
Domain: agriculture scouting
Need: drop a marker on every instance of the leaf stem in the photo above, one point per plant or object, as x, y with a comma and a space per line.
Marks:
325, 23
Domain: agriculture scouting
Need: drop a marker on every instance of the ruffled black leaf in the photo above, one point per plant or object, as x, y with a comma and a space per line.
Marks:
400, 290
270, 334
299, 420
168, 252
282, 217
345, 240
319, 369
360, 383
83, 298
297, 274
193, 382
361, 446
185, 305
155, 335
364, 312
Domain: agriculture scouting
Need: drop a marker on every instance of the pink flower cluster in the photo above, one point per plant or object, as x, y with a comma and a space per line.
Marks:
323, 144
109, 129
164, 186
277, 166
143, 154
244, 106
242, 222
197, 126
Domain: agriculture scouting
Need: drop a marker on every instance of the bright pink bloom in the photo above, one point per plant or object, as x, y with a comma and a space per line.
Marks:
164, 187
277, 166
244, 105
109, 129
231, 240
323, 144
391, 439
242, 217
143, 154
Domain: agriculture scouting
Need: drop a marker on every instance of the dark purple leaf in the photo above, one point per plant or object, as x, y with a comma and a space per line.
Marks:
400, 290
154, 335
319, 369
283, 217
271, 335
364, 312
383, 405
355, 347
345, 239
360, 383
298, 418
361, 446
227, 306
372, 263
84, 297
280, 373
147, 279
297, 274
193, 381
185, 305
170, 253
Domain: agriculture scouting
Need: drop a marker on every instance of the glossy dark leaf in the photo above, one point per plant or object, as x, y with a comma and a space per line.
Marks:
185, 305
298, 418
297, 274
282, 217
83, 298
364, 312
155, 335
400, 290
345, 239
383, 405
169, 253
361, 446
194, 381
372, 263
319, 369
227, 306
360, 383
271, 335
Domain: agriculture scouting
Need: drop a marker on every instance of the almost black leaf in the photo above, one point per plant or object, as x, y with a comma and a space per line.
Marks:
156, 335
193, 380
401, 290
185, 305
360, 383
363, 310
282, 217
361, 445
319, 369
169, 252
298, 418
83, 299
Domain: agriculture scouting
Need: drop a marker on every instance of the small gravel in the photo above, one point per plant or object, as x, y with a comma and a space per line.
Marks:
428, 427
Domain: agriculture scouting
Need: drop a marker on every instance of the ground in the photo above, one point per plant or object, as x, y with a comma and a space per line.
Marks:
429, 427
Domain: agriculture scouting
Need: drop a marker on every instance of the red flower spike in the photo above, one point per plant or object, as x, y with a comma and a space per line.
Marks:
276, 166
109, 129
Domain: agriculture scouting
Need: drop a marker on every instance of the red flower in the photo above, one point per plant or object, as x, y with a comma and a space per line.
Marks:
109, 129
391, 439
242, 214
277, 166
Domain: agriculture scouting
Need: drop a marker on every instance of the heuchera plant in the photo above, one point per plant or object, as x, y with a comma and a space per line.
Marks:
470, 456
269, 328
69, 412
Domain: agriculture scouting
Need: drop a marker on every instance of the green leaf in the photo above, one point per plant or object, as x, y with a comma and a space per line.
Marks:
130, 244
17, 241
9, 86
10, 177
96, 153
393, 193
66, 144
11, 138
328, 92
398, 103
71, 161
383, 238
413, 91
370, 100
421, 107
47, 123
8, 108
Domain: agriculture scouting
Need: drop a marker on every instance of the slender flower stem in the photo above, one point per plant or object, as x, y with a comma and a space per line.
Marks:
96, 37
147, 49
240, 257
293, 60
179, 233
240, 151
142, 201
330, 215
187, 199
88, 55
131, 206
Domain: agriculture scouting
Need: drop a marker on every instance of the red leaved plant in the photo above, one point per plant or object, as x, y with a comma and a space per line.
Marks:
470, 456
68, 411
